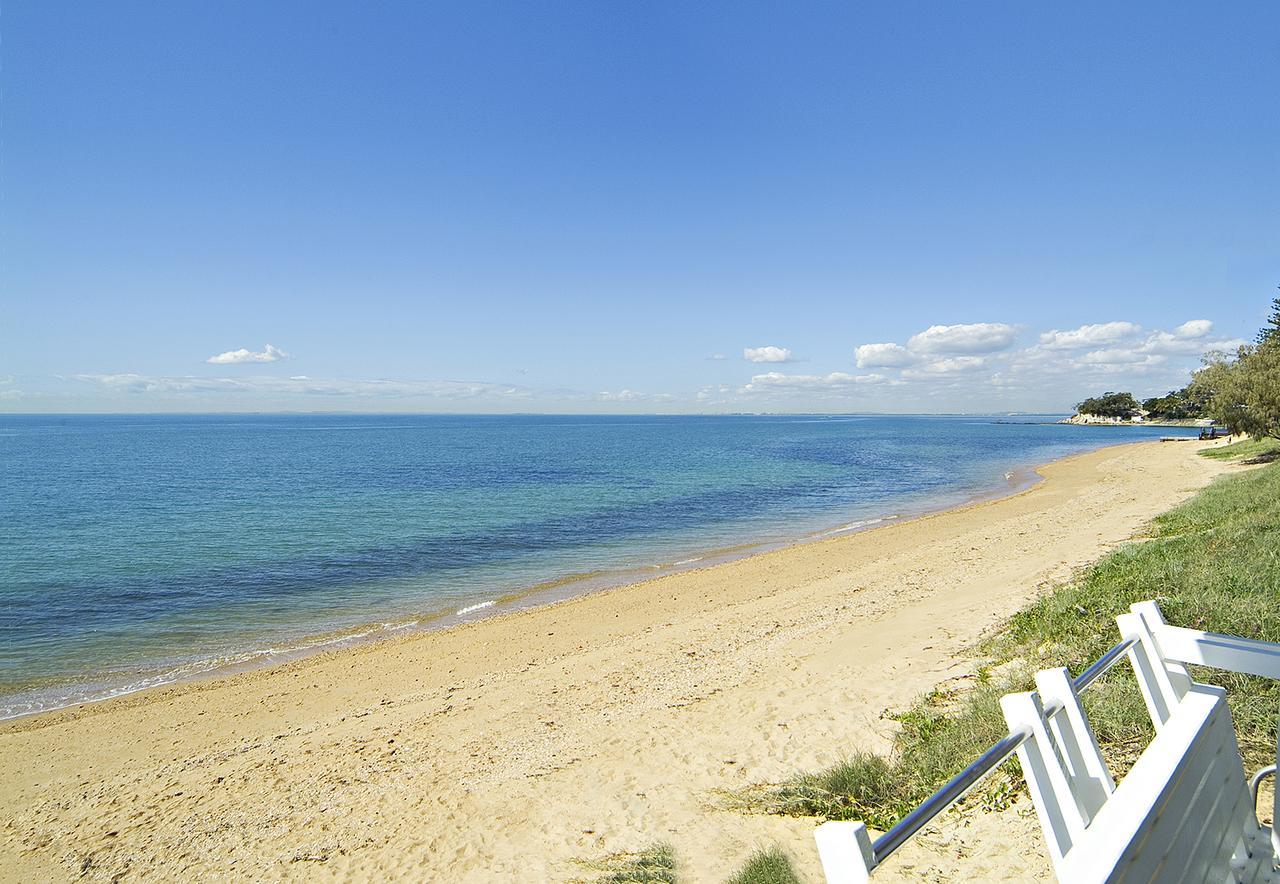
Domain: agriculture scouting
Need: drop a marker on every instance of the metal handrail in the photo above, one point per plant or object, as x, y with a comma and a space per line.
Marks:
1082, 681
961, 783
1255, 784
949, 794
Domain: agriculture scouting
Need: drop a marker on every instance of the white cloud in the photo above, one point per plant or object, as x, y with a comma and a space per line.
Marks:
950, 365
1193, 328
1168, 342
1120, 356
766, 354
1191, 338
975, 337
1088, 335
241, 356
717, 357
882, 356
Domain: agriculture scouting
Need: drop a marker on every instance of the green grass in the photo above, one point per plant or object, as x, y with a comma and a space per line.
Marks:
1213, 563
655, 864
939, 736
770, 866
1255, 450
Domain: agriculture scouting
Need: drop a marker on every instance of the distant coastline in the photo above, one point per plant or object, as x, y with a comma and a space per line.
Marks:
1091, 420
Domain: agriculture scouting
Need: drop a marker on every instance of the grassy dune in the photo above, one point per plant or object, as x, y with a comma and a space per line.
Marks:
1248, 450
654, 864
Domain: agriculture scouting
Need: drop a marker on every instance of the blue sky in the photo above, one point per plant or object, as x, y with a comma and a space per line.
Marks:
629, 207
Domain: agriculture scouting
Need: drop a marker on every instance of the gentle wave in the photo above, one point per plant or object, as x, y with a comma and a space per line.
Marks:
195, 669
471, 609
855, 526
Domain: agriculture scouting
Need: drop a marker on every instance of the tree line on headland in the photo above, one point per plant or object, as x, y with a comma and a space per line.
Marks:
1240, 391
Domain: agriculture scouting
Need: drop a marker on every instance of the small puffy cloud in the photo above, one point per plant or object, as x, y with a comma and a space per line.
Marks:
241, 356
927, 353
717, 357
882, 356
1193, 328
1189, 339
1094, 335
766, 354
974, 337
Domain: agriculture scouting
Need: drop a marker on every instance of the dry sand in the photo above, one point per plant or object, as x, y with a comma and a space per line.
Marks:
509, 748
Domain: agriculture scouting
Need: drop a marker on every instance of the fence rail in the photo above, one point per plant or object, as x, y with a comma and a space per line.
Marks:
961, 783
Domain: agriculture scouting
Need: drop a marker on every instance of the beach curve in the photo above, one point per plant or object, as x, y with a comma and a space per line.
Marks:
513, 746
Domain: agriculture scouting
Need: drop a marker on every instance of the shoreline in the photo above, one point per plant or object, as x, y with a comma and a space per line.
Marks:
518, 745
1191, 423
526, 598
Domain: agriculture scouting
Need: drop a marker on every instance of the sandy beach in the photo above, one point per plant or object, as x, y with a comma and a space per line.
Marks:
514, 747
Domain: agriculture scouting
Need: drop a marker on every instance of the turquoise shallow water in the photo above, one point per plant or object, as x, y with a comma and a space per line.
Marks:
141, 549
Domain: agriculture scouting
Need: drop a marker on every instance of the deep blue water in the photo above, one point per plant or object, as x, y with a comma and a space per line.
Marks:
137, 549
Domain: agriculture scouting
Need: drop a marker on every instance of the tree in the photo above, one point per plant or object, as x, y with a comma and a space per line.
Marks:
1244, 391
1121, 405
1184, 404
1270, 332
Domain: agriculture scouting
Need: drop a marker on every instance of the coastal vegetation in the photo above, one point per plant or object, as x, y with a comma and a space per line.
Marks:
1121, 405
1270, 331
1212, 563
1188, 403
1244, 392
1184, 404
1248, 451
767, 866
654, 864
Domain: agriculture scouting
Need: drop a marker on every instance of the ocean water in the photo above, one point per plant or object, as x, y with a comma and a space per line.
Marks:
138, 550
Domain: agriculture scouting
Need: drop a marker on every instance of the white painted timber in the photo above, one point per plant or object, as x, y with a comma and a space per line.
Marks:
845, 851
1184, 811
